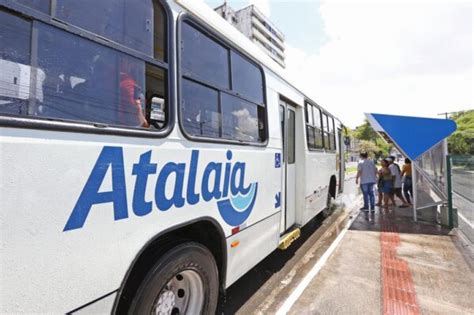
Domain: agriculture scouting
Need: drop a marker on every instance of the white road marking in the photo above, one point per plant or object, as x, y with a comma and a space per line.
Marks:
293, 297
465, 220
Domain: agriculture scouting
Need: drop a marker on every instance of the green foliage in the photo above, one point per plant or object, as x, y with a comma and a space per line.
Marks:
365, 132
462, 140
370, 141
351, 169
369, 147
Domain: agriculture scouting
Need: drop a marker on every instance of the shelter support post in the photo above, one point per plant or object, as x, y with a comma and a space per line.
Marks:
415, 198
450, 192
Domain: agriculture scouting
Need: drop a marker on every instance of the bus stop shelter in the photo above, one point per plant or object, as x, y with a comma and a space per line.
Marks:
423, 141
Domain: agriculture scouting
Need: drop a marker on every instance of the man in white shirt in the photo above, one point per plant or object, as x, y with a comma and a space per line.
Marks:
367, 172
397, 182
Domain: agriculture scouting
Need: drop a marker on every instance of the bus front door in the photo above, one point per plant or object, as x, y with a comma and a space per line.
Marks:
288, 198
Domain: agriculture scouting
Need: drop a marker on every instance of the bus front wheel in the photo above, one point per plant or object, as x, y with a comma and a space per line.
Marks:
183, 281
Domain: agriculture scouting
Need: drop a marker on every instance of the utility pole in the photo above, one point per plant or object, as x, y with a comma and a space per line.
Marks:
446, 114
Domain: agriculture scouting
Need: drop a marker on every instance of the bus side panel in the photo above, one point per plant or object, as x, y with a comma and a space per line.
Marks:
58, 259
320, 166
250, 246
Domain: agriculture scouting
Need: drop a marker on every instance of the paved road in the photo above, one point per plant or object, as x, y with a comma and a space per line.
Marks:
463, 183
249, 295
463, 199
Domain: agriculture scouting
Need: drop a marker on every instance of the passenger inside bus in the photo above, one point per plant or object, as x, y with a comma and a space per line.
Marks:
131, 104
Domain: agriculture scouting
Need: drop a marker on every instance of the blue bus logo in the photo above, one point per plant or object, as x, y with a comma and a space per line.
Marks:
222, 182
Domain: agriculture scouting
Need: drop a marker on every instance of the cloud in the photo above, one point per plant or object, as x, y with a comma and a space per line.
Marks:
262, 5
393, 57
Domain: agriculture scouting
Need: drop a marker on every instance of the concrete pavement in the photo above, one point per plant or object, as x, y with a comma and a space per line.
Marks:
388, 265
384, 264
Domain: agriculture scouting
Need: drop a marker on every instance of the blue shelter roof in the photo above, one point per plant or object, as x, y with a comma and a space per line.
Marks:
413, 135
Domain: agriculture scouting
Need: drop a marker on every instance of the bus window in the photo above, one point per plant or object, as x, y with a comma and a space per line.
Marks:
160, 30
90, 82
324, 120
313, 127
78, 79
203, 58
309, 114
240, 119
311, 138
319, 139
246, 79
318, 135
15, 71
199, 107
126, 22
332, 134
317, 117
210, 105
40, 5
324, 128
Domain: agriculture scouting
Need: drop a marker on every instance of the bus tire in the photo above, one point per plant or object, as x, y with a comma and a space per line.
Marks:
183, 281
327, 210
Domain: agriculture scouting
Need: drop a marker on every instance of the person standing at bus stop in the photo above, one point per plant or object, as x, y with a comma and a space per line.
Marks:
367, 173
397, 182
407, 181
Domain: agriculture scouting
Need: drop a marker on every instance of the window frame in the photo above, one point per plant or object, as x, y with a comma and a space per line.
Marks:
314, 127
33, 122
213, 35
333, 133
322, 131
329, 119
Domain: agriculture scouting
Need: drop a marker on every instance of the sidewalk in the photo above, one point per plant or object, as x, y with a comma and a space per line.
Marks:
386, 264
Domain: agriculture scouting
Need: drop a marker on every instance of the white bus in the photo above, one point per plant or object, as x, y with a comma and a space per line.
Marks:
150, 156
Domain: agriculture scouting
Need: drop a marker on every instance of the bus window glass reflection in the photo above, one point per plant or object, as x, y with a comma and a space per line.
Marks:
15, 67
199, 107
246, 79
203, 58
240, 119
40, 5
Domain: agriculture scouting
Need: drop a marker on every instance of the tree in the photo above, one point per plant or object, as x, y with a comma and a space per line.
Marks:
462, 140
368, 147
366, 134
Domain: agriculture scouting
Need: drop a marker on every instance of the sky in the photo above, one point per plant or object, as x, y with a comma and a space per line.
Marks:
402, 57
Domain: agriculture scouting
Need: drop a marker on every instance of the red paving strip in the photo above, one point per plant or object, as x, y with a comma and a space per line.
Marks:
399, 296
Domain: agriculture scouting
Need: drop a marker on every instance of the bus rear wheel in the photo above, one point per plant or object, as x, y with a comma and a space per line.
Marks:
327, 211
183, 281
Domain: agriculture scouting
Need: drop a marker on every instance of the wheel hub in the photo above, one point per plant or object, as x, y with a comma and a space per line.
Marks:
166, 302
183, 294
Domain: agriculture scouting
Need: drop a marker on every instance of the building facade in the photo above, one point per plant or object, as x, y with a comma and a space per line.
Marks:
258, 28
